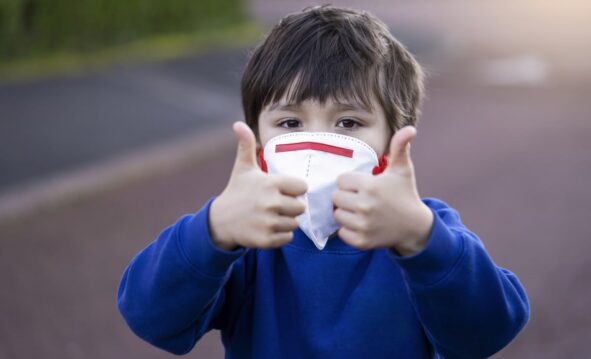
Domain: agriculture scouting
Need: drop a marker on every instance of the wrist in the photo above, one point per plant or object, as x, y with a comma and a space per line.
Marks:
419, 233
216, 229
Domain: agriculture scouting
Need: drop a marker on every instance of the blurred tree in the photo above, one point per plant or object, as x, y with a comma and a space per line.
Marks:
33, 27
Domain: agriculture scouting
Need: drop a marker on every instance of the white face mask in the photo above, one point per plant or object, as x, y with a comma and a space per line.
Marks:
318, 158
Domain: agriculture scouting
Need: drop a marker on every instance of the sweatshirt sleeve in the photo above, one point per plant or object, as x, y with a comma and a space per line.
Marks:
469, 307
173, 291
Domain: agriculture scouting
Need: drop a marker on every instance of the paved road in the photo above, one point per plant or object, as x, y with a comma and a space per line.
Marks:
514, 159
59, 124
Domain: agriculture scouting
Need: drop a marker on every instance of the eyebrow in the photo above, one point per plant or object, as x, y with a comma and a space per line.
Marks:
280, 106
340, 106
351, 107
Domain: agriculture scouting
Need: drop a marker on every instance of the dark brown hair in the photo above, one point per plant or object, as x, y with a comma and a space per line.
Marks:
327, 52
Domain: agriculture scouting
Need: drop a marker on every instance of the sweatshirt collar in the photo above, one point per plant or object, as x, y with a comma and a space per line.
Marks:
333, 245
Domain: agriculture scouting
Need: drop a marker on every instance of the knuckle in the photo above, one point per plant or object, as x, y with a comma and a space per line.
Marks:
278, 239
336, 196
274, 225
272, 205
284, 238
363, 226
299, 185
338, 216
342, 180
370, 188
266, 242
364, 207
266, 225
301, 207
271, 182
345, 234
264, 245
260, 205
337, 219
303, 186
293, 224
362, 243
367, 206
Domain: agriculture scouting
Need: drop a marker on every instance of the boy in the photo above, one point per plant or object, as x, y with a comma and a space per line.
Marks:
376, 272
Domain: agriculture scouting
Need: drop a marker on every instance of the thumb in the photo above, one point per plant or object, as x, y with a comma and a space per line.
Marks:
400, 147
246, 153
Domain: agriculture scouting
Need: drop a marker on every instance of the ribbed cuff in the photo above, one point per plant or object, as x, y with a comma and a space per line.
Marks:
438, 257
197, 244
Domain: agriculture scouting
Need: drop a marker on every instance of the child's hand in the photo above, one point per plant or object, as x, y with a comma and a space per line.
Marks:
255, 209
384, 210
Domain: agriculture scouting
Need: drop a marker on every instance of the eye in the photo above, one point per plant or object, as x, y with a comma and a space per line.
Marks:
290, 123
348, 123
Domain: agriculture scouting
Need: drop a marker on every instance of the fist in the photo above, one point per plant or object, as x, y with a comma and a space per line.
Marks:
255, 209
384, 211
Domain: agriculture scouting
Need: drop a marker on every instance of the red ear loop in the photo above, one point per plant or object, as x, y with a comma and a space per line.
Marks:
262, 163
382, 164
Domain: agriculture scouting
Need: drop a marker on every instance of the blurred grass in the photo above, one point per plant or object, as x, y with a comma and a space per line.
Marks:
39, 37
33, 27
144, 50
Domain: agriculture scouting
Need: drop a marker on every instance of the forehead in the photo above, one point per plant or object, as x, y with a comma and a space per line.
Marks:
353, 88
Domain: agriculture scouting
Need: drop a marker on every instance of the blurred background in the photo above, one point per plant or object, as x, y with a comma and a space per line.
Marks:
115, 120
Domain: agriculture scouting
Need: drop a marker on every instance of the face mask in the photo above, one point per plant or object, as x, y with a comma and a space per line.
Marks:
318, 158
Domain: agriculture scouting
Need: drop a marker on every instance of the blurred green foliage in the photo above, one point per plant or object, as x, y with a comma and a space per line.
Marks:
34, 27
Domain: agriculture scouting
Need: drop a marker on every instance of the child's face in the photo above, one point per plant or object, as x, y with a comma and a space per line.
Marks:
347, 118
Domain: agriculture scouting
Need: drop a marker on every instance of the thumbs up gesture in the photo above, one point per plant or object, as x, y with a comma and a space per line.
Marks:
384, 210
255, 209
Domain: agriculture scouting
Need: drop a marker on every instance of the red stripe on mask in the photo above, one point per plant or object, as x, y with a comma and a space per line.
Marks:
314, 146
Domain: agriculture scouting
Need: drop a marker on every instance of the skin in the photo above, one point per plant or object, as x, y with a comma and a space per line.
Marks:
259, 210
311, 116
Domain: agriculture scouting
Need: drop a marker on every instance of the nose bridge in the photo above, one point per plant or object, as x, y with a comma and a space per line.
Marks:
319, 121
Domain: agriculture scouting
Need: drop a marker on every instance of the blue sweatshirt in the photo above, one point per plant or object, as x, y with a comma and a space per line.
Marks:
449, 300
